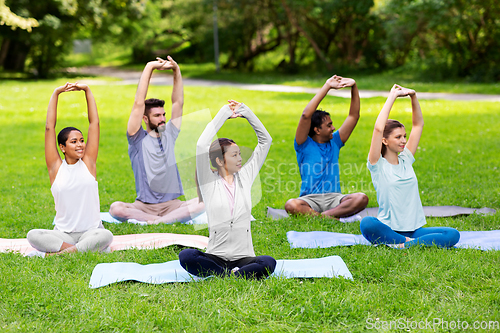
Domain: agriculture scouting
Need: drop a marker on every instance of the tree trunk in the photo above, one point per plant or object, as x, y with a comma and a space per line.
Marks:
14, 55
3, 50
311, 41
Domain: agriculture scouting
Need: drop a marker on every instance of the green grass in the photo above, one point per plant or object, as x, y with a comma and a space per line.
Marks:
457, 164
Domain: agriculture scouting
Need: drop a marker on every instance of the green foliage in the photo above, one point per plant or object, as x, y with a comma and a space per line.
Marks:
453, 39
457, 164
346, 32
445, 38
59, 23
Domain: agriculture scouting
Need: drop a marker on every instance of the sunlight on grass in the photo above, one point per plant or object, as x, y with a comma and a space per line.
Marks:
457, 164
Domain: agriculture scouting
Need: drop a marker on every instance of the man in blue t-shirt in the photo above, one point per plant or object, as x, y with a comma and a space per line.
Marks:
151, 152
317, 146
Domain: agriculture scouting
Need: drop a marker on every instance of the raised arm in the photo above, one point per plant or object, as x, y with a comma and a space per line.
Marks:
378, 131
335, 82
264, 140
135, 119
203, 170
52, 157
352, 119
177, 94
417, 123
92, 146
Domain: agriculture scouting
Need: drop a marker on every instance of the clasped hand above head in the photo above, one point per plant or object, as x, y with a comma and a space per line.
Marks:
72, 87
234, 106
339, 82
402, 91
162, 64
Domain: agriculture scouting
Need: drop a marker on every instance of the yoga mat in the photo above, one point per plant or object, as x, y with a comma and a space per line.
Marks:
122, 242
171, 271
429, 211
323, 239
482, 240
157, 241
200, 219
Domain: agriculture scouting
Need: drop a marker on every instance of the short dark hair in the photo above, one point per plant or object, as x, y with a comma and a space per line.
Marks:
62, 137
152, 103
390, 126
316, 120
217, 150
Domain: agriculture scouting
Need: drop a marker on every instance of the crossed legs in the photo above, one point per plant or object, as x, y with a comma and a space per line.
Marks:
349, 205
378, 233
169, 212
204, 264
58, 242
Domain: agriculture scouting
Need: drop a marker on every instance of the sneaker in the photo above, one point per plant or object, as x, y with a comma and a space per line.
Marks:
234, 270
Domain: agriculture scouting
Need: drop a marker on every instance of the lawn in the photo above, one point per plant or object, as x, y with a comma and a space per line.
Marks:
457, 164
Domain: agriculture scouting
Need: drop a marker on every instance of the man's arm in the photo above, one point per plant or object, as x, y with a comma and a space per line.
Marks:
135, 119
177, 94
352, 119
334, 82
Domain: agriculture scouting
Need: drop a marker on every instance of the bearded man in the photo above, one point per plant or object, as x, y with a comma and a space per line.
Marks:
151, 151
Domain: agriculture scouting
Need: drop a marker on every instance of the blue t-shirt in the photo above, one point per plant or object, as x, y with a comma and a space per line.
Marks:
397, 193
319, 165
156, 175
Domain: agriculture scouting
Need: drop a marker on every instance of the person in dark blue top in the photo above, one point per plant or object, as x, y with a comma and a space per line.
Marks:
317, 146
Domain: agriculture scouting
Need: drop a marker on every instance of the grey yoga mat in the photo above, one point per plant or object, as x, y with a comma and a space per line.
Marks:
429, 211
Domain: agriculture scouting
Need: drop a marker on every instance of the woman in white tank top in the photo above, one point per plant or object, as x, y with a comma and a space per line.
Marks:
78, 227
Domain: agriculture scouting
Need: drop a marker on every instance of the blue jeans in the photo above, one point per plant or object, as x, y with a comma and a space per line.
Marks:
205, 264
378, 233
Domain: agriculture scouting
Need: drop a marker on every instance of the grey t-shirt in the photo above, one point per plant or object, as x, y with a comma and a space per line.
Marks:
156, 175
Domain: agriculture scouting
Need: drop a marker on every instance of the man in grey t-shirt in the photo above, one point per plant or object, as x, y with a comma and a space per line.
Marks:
151, 152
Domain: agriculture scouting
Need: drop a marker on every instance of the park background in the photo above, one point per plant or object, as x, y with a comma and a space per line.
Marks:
432, 46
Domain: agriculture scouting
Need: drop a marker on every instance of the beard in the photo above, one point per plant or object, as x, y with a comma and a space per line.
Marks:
158, 128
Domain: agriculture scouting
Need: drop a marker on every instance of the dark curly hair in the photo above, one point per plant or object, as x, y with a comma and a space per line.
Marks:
316, 120
62, 137
152, 103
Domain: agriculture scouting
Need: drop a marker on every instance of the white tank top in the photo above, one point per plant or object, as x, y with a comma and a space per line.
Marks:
76, 198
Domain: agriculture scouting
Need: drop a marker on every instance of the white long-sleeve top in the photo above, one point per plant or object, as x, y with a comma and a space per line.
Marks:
230, 236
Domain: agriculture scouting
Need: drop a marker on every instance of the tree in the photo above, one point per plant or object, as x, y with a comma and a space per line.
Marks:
341, 32
449, 38
59, 21
14, 21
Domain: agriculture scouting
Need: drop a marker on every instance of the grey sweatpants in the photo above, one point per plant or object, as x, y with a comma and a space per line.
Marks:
51, 240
